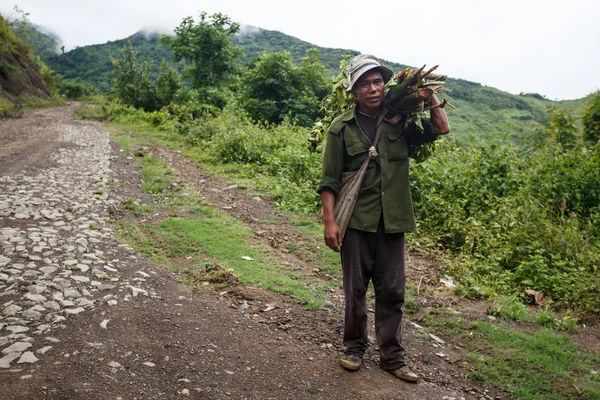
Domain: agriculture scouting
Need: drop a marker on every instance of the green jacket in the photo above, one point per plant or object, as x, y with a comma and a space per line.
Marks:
386, 187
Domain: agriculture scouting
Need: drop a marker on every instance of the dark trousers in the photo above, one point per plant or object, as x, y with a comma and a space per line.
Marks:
379, 257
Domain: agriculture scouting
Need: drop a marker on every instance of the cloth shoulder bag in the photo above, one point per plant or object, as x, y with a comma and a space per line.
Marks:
350, 188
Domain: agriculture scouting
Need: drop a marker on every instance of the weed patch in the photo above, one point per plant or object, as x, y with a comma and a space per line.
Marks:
536, 365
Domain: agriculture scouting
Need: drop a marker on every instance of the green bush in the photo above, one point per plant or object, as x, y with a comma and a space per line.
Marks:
515, 218
509, 308
75, 90
591, 118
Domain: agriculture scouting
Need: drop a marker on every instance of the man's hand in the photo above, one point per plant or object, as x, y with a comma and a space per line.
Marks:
438, 117
333, 236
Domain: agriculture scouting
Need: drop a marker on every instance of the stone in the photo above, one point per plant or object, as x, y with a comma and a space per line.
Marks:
7, 359
79, 278
114, 364
71, 293
36, 289
150, 364
106, 286
28, 357
82, 267
74, 311
51, 305
135, 291
32, 314
83, 302
48, 270
18, 347
437, 339
43, 350
11, 310
17, 329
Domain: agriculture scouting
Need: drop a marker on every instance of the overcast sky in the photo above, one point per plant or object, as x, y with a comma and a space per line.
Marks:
551, 47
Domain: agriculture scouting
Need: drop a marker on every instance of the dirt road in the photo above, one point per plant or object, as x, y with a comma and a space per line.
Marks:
83, 316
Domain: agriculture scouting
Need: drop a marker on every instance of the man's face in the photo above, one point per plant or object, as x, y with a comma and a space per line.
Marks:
369, 91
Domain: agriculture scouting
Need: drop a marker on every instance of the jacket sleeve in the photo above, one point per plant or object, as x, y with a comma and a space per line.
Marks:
414, 135
333, 161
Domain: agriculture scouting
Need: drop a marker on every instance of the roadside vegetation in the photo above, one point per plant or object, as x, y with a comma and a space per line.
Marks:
15, 55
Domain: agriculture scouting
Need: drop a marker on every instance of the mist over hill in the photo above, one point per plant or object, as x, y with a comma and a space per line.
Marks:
480, 110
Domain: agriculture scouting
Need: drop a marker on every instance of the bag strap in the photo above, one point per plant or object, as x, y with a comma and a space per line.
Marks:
373, 149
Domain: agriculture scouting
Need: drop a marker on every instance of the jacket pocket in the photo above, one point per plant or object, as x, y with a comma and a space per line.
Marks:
355, 148
396, 146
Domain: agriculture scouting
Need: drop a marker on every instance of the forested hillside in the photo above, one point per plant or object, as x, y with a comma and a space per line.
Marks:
480, 110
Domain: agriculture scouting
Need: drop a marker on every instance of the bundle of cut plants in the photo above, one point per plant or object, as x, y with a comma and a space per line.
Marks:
410, 89
406, 96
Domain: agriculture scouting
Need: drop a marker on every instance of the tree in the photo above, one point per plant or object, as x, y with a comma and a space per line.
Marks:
134, 86
167, 84
591, 119
126, 81
562, 128
275, 88
207, 49
313, 74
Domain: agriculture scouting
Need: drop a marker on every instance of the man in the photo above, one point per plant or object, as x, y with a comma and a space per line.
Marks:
373, 247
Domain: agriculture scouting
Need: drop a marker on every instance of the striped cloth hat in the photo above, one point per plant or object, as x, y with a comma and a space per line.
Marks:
362, 63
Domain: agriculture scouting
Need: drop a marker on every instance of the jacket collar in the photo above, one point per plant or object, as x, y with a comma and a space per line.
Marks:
351, 114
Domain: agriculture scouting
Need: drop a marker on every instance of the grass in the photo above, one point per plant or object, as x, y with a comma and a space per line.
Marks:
537, 364
224, 241
206, 234
13, 108
135, 206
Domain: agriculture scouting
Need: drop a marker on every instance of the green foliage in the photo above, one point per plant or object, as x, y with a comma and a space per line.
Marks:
47, 74
10, 42
544, 365
207, 49
15, 107
548, 319
133, 85
562, 128
167, 84
591, 118
274, 88
91, 64
515, 218
44, 44
509, 308
480, 110
7, 108
126, 81
75, 90
8, 71
280, 152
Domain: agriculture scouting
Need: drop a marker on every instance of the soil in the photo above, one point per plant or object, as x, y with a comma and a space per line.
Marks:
206, 345
24, 80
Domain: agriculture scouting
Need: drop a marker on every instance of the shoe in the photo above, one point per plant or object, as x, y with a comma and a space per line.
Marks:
351, 362
405, 374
